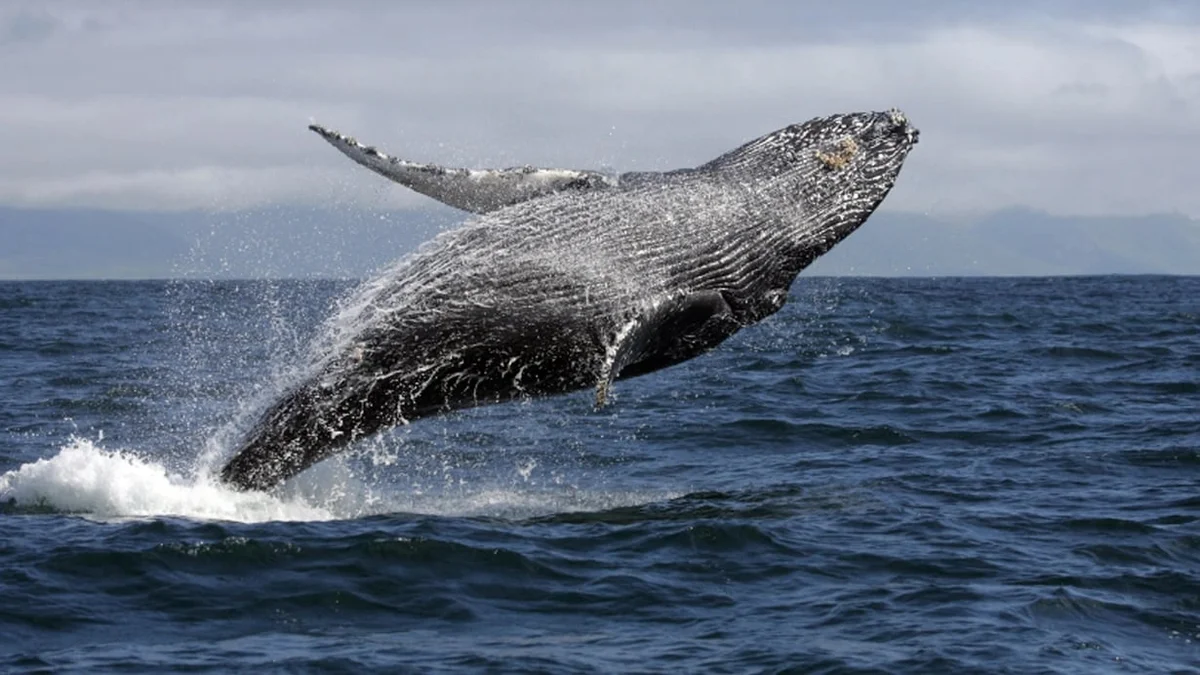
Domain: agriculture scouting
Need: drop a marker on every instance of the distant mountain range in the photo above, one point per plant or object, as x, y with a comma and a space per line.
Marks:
275, 243
1017, 241
288, 242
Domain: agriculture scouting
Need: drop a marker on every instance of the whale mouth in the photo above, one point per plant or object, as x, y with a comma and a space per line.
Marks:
898, 123
894, 122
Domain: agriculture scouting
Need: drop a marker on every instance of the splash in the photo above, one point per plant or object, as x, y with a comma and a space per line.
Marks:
86, 478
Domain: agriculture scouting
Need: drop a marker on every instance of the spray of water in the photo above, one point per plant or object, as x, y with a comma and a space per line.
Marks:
88, 479
773, 196
232, 346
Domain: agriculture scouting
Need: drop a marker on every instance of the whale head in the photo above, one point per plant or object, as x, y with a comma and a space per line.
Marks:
827, 175
846, 158
841, 167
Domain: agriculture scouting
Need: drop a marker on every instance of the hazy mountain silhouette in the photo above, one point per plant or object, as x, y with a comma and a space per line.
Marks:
294, 242
1017, 241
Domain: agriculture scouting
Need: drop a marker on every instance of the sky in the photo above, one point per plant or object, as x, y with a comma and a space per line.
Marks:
1073, 107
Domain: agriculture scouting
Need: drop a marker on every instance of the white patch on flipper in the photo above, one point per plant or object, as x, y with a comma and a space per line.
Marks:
610, 368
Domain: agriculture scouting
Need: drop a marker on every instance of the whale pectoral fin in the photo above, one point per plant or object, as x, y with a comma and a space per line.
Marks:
475, 190
655, 334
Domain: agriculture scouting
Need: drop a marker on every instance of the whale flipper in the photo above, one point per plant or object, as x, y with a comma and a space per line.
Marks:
670, 331
475, 190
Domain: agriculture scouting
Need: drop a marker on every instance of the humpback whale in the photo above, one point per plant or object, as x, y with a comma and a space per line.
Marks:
572, 279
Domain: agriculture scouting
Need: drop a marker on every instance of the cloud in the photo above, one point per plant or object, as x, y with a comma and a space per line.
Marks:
207, 188
1068, 106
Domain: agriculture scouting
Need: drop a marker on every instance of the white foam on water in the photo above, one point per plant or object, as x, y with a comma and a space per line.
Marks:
88, 479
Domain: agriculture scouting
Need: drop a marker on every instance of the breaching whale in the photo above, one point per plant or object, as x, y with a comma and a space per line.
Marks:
572, 279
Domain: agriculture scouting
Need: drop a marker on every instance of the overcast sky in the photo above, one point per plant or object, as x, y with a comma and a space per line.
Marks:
1087, 107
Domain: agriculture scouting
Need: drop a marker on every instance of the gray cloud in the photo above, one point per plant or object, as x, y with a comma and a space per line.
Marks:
1081, 107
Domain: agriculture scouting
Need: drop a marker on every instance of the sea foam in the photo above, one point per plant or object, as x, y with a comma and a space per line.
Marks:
88, 479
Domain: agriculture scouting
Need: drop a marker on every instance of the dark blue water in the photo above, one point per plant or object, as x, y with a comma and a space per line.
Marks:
926, 476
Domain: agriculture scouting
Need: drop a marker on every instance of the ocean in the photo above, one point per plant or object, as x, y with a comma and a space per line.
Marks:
950, 475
